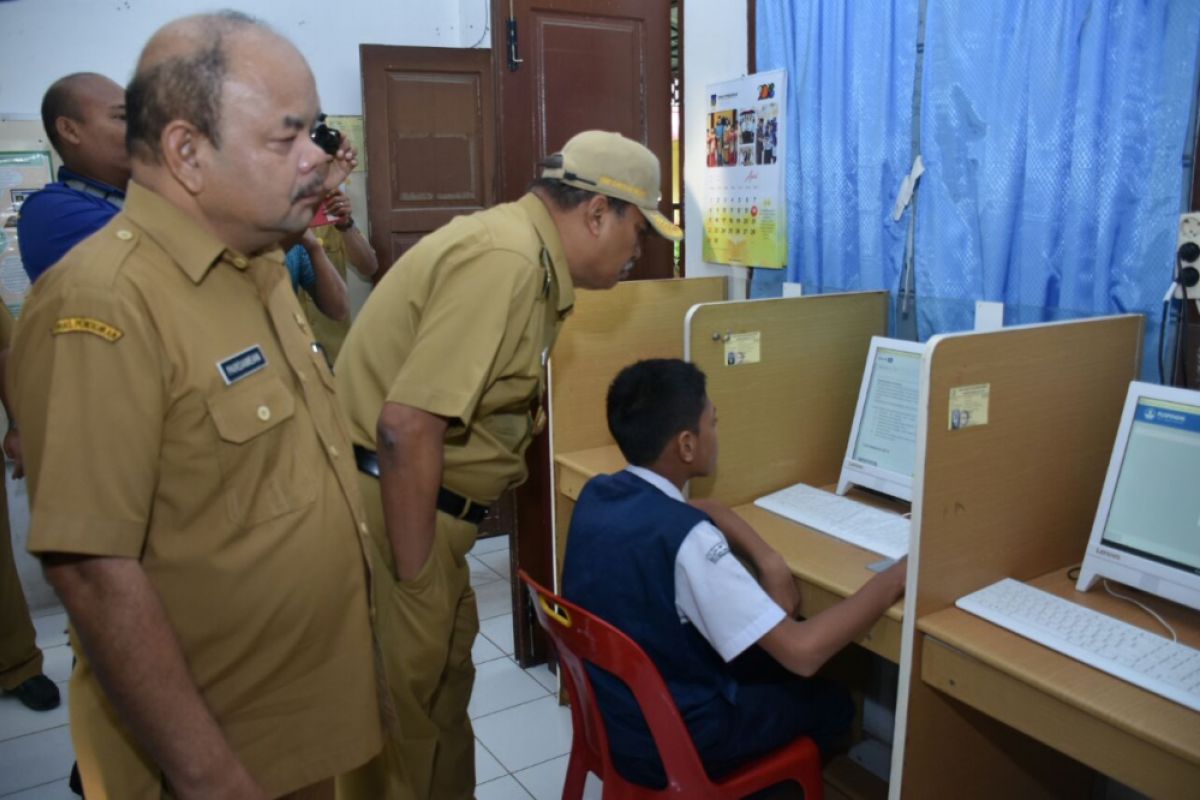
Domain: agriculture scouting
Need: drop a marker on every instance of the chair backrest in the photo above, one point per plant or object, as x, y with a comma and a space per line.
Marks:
579, 636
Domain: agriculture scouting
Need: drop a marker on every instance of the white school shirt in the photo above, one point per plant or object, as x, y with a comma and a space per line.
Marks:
713, 591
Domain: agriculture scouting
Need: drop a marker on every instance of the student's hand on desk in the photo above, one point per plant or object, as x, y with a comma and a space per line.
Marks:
896, 576
780, 584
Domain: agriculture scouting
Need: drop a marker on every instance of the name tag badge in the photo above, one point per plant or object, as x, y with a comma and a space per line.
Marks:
239, 365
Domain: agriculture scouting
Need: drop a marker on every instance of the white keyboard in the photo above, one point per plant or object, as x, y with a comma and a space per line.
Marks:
842, 518
1124, 651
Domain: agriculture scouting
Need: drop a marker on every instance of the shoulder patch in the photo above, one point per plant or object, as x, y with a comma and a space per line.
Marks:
108, 333
717, 552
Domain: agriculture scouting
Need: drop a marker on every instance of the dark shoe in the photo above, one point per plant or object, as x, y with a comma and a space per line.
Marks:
38, 693
74, 783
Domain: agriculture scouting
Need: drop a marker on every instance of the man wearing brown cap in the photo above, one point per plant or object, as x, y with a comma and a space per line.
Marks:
193, 497
439, 378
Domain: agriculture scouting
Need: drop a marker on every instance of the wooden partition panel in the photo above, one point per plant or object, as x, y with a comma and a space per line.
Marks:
785, 419
609, 330
1014, 497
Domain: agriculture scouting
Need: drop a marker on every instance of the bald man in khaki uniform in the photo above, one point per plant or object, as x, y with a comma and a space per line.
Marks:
442, 377
193, 494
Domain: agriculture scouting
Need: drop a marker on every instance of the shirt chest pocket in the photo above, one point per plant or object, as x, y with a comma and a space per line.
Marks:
258, 440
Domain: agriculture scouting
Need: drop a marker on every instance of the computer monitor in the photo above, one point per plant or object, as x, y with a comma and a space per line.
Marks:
883, 440
1147, 528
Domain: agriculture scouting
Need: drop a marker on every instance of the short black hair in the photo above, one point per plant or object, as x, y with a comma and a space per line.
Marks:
565, 196
61, 100
651, 402
186, 86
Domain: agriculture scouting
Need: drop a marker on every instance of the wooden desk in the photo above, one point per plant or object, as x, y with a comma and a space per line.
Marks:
1138, 738
827, 571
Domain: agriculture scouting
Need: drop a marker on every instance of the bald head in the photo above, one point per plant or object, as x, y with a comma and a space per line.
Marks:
220, 114
181, 73
68, 96
84, 117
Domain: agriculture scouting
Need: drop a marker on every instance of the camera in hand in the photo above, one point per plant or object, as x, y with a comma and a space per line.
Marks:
327, 138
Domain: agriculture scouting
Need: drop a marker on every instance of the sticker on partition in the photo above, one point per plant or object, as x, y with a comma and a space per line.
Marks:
969, 406
742, 348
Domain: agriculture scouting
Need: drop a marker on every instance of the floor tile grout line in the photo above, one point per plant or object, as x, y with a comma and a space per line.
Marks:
540, 763
35, 733
488, 750
51, 782
510, 708
7, 739
509, 775
494, 616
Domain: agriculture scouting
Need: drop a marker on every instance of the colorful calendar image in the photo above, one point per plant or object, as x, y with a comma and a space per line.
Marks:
744, 223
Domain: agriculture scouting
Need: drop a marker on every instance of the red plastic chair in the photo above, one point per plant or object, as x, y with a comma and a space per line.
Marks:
580, 637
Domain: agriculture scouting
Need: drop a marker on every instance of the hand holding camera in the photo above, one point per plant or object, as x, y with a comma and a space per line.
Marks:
345, 157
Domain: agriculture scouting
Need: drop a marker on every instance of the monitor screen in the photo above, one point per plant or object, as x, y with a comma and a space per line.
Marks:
1147, 528
1155, 509
882, 450
887, 431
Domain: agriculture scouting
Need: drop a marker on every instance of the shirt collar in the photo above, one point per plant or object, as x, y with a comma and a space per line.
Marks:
188, 244
657, 481
65, 174
548, 233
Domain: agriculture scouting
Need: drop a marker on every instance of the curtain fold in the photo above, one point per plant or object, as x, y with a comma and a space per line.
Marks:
849, 119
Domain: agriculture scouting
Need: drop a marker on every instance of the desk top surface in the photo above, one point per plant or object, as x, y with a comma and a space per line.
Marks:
596, 461
834, 565
1166, 724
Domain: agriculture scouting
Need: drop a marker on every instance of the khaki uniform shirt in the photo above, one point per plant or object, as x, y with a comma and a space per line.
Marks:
462, 327
328, 332
6, 327
173, 410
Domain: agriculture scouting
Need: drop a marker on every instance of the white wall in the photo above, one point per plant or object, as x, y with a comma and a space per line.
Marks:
714, 49
42, 40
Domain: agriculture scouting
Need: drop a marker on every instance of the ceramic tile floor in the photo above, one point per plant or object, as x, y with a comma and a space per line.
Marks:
522, 735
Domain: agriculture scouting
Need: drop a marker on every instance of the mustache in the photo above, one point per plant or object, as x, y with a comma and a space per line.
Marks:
309, 189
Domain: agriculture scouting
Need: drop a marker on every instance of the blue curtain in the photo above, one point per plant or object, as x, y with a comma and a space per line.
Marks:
1052, 134
849, 122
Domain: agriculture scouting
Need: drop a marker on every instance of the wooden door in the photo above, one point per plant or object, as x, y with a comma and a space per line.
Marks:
583, 64
431, 155
430, 127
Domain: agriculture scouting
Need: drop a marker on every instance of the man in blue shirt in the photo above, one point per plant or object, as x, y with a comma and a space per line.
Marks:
84, 117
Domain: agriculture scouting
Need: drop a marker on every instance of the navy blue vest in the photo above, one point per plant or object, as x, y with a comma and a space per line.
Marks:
620, 565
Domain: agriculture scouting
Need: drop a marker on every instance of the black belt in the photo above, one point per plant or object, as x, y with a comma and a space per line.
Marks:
450, 502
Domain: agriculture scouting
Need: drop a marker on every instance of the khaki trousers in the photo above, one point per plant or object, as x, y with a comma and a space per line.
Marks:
426, 627
20, 659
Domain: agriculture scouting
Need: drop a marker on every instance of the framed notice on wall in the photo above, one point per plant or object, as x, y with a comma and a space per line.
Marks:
745, 220
21, 174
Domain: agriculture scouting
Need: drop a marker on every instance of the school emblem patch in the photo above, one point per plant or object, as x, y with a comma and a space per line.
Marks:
109, 333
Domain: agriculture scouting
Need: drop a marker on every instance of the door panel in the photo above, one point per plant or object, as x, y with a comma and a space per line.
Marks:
585, 64
431, 141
